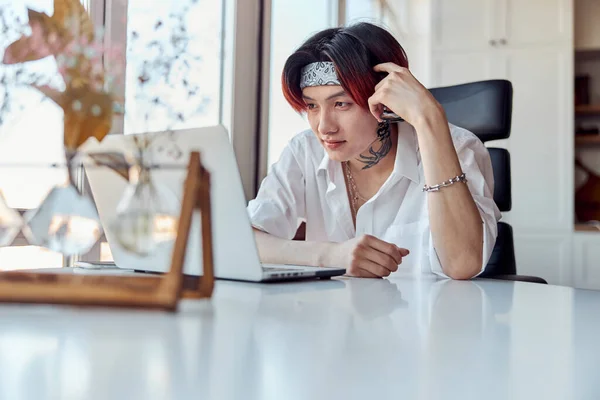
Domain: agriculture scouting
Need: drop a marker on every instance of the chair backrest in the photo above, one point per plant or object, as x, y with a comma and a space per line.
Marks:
502, 186
485, 108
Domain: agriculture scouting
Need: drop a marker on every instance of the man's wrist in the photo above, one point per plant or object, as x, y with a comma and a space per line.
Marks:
431, 120
327, 254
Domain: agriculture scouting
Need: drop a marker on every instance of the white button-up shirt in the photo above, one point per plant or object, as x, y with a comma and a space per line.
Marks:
306, 185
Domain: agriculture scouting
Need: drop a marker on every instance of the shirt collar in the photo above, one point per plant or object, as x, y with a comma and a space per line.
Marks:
405, 164
324, 165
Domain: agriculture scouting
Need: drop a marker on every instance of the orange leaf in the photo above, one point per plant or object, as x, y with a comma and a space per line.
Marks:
87, 114
46, 39
72, 13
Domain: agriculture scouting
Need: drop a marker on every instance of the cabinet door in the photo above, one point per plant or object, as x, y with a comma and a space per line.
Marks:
456, 68
541, 142
541, 149
535, 22
463, 24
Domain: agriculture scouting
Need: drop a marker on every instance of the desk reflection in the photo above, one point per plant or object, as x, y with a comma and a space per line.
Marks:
463, 333
89, 354
344, 338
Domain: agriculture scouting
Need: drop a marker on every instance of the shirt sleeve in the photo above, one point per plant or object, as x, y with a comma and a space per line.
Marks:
477, 165
280, 203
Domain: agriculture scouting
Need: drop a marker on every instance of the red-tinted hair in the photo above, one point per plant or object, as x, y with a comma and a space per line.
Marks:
354, 50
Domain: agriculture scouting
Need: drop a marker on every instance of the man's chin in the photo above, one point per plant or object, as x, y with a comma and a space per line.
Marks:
337, 156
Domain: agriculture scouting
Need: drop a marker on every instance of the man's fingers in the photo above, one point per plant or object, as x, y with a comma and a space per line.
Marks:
388, 67
373, 257
375, 107
384, 247
363, 273
385, 260
373, 268
380, 84
403, 252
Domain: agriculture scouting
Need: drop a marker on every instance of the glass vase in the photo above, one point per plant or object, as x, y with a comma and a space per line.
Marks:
67, 220
147, 215
10, 223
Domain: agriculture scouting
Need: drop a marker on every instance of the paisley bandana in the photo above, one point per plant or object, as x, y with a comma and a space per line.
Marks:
320, 73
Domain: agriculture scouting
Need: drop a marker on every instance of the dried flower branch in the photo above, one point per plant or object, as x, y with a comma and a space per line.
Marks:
13, 77
89, 74
69, 36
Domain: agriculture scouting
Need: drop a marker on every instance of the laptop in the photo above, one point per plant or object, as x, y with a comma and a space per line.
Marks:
234, 247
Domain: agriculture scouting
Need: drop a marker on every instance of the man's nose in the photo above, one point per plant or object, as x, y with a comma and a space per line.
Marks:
327, 123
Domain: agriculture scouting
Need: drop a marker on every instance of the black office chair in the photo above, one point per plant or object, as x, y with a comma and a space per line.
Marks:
485, 108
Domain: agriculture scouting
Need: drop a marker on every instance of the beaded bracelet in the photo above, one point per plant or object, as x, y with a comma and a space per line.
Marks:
435, 188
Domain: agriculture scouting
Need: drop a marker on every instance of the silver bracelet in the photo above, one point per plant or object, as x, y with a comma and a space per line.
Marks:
435, 188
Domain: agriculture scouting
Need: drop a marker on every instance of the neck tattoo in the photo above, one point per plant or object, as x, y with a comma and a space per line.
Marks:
379, 148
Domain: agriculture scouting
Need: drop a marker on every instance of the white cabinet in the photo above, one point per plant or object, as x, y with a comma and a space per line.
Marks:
541, 141
587, 28
462, 24
483, 24
536, 22
451, 68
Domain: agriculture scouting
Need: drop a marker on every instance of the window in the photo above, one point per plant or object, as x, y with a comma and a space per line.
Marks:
363, 10
185, 38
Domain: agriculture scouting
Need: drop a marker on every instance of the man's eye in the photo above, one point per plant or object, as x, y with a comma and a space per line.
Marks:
342, 104
311, 106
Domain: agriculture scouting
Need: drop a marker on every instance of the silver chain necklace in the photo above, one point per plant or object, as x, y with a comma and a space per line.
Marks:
355, 195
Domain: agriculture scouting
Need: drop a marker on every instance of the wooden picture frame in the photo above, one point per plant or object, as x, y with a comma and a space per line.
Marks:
153, 291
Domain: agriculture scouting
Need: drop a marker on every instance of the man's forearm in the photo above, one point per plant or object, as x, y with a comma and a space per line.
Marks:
275, 250
455, 222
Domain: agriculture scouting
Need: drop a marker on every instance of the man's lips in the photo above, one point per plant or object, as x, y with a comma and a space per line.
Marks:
333, 144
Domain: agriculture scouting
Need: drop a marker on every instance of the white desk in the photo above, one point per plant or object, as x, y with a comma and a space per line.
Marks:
342, 339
